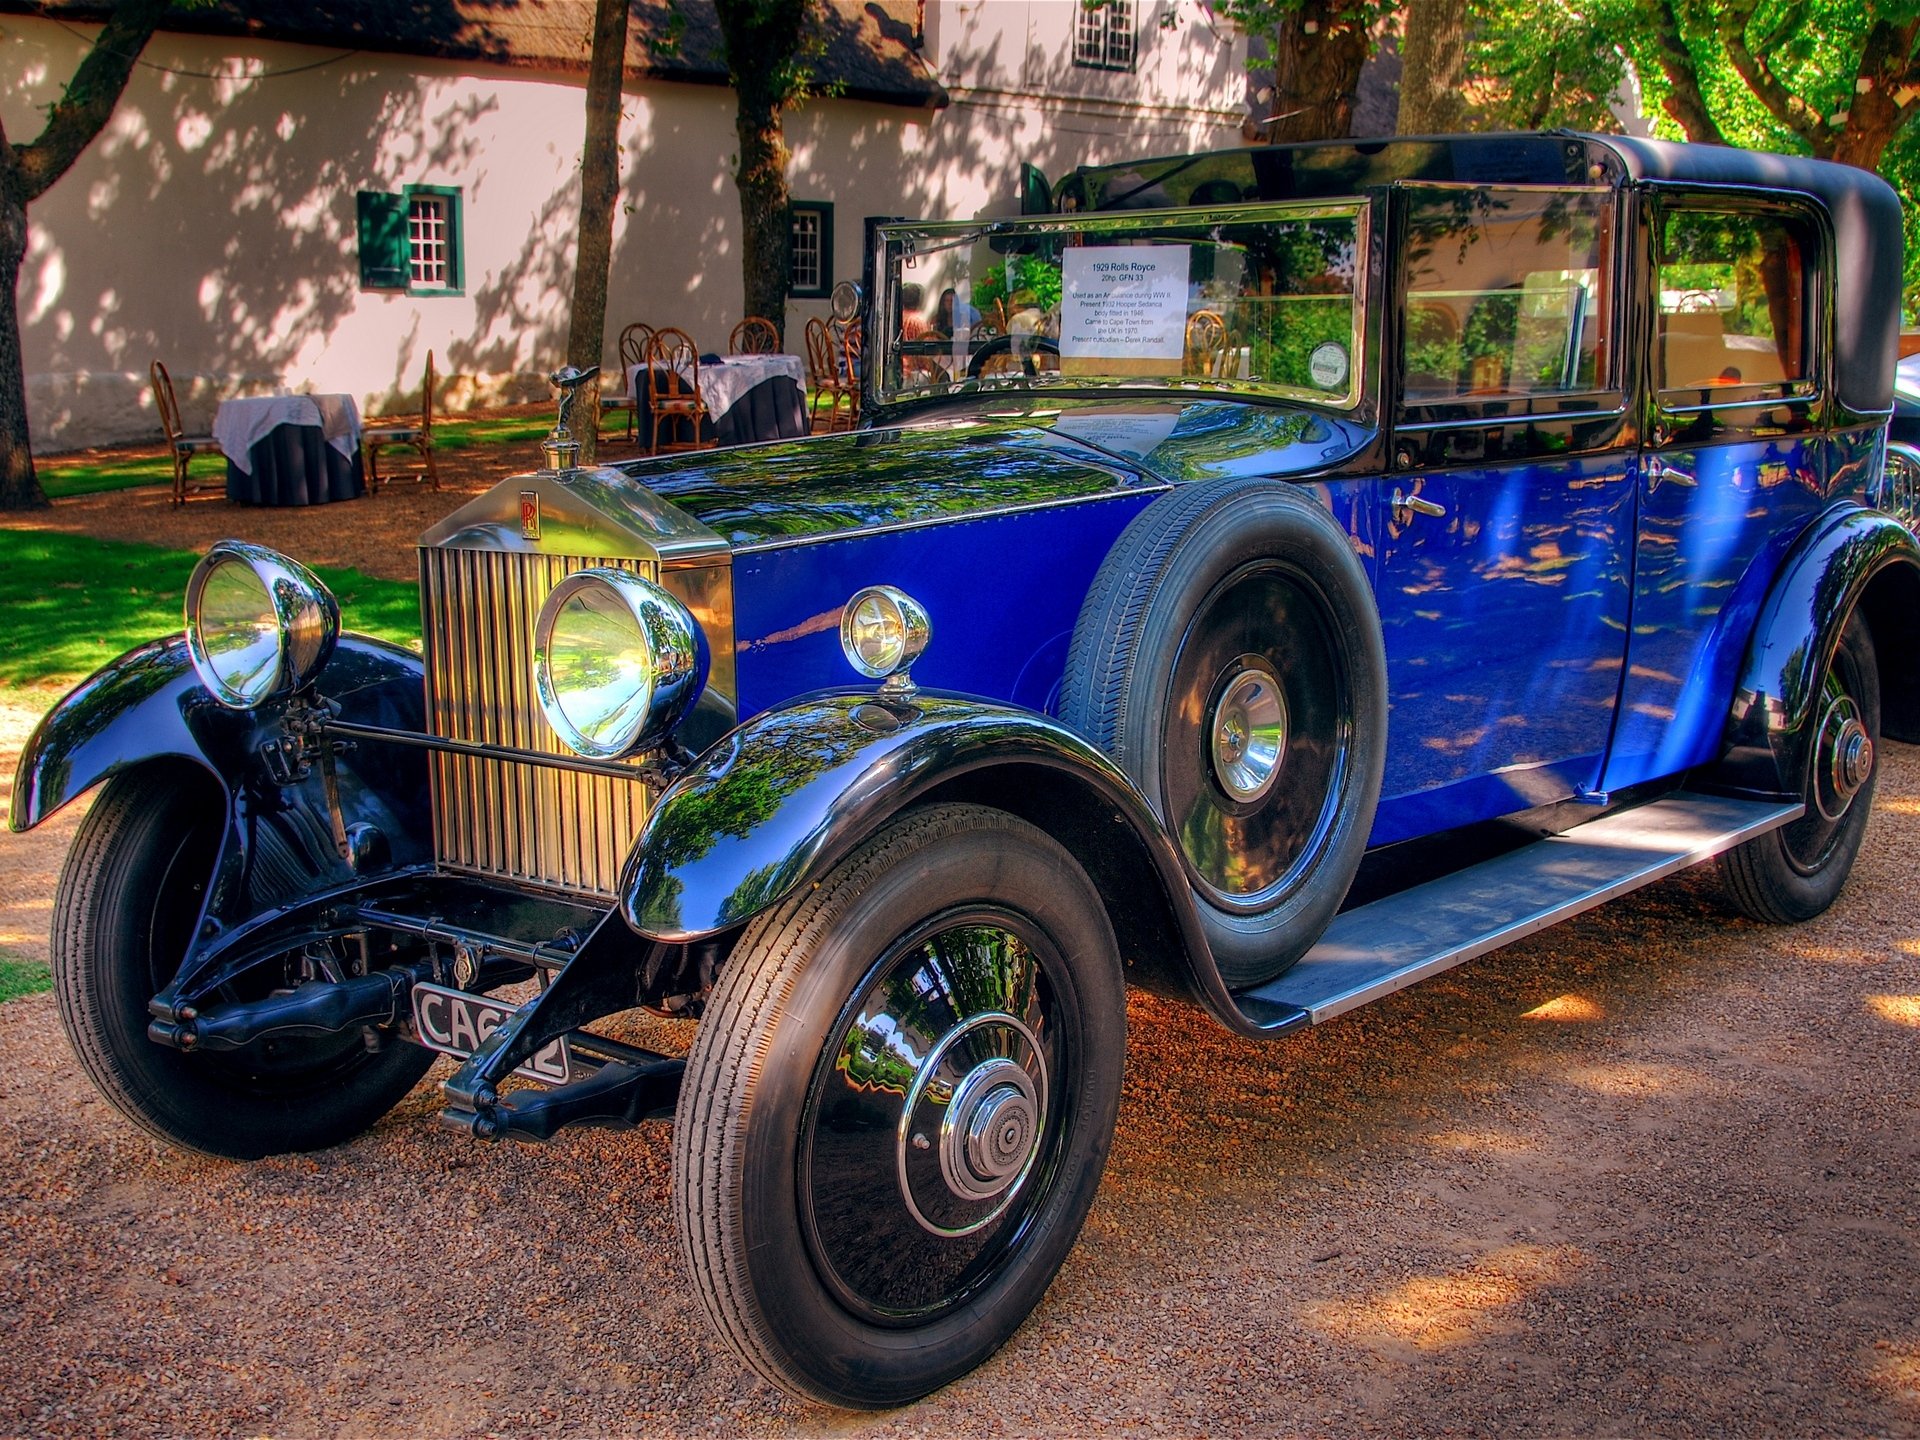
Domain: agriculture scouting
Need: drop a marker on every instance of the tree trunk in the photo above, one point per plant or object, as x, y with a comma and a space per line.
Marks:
1887, 64
19, 486
599, 189
26, 172
765, 64
1318, 52
1433, 59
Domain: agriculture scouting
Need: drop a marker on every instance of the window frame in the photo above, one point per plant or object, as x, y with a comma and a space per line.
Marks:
385, 241
824, 210
1106, 19
1608, 395
1762, 405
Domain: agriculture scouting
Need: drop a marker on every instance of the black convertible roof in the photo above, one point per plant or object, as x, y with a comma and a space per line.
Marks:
1863, 209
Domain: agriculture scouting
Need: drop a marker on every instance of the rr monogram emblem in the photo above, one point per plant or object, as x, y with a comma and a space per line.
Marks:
530, 514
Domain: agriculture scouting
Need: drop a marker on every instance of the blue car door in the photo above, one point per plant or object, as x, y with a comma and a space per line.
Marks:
1733, 466
1506, 514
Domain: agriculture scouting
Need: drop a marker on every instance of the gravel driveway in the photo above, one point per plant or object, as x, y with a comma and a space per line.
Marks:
1656, 1172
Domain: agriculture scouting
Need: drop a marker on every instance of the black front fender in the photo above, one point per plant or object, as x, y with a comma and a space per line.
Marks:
780, 800
150, 706
1824, 577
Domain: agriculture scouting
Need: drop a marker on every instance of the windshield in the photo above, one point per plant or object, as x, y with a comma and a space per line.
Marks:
1253, 299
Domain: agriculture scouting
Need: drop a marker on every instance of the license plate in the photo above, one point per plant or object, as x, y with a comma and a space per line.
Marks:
456, 1023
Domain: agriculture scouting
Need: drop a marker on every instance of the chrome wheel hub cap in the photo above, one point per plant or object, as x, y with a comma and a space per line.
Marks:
991, 1125
984, 1121
1248, 734
1843, 761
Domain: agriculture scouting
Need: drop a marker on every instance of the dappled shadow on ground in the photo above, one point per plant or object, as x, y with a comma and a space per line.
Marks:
1649, 1172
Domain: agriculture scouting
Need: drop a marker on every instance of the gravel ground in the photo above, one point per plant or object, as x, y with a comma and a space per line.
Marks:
1656, 1172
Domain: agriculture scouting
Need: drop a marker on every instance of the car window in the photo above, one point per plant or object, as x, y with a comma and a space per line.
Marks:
1505, 293
1265, 302
1732, 301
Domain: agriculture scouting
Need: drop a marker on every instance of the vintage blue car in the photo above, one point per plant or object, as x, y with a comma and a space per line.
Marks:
1269, 577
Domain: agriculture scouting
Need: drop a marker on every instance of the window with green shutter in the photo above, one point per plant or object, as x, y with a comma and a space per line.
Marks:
411, 241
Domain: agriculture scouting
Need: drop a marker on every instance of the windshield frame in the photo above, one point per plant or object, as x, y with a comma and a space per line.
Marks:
1105, 225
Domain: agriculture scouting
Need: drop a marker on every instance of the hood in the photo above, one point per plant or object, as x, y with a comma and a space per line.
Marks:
1021, 454
681, 508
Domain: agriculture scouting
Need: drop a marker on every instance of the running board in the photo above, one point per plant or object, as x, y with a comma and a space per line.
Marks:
1390, 944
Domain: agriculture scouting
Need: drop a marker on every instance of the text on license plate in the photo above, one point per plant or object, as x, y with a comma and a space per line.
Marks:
456, 1023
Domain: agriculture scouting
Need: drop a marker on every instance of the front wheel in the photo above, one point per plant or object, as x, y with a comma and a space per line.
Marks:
898, 1107
124, 913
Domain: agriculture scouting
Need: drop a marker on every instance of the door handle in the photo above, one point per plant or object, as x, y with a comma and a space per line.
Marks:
1405, 507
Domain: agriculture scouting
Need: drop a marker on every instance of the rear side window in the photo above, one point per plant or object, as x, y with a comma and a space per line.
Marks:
1733, 301
1506, 294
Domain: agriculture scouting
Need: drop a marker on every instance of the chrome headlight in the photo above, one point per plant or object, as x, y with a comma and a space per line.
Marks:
883, 630
258, 624
617, 662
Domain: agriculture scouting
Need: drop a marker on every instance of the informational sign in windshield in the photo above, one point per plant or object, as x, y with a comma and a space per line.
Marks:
1124, 302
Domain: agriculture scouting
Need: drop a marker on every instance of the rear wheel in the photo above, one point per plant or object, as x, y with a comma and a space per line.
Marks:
898, 1108
1797, 871
124, 913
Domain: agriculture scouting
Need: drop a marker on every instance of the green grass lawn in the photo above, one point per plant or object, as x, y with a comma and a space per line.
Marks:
71, 603
22, 977
61, 477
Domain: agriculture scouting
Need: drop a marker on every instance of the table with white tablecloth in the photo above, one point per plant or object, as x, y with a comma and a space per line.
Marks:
748, 398
290, 449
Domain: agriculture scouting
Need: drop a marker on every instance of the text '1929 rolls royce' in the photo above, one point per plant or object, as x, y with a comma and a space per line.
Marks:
1246, 523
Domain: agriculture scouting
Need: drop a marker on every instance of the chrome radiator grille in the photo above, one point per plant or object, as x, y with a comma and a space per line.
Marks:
508, 818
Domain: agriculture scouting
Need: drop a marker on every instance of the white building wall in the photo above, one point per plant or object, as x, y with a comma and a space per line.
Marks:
213, 224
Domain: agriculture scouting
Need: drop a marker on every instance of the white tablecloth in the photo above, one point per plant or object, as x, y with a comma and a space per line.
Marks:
722, 385
239, 425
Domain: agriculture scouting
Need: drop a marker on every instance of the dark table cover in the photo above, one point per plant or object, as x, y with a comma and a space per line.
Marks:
294, 465
775, 409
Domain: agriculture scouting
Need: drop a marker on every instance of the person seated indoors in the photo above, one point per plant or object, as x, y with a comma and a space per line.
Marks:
944, 314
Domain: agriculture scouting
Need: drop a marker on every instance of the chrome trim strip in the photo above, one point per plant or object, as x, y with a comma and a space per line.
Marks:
1809, 400
1480, 422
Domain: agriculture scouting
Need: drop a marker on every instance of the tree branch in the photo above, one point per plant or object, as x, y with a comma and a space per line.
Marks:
87, 104
1789, 109
1683, 102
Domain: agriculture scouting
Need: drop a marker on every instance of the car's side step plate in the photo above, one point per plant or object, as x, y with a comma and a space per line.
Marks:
1385, 946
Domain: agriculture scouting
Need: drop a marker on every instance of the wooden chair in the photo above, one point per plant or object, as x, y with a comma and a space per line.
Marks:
849, 339
753, 336
417, 438
182, 445
828, 369
673, 389
1206, 345
633, 351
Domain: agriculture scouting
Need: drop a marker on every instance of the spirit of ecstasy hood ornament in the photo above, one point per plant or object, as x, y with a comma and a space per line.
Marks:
561, 450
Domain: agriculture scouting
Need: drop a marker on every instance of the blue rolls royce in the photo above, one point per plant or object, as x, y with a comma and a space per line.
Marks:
1269, 577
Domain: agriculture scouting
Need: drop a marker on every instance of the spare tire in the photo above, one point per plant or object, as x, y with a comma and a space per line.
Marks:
1229, 659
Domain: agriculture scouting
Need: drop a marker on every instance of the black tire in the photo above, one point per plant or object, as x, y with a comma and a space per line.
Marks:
1218, 600
836, 1256
1794, 873
124, 912
1001, 348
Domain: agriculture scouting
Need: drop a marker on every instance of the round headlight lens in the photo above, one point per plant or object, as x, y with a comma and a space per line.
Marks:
883, 630
617, 662
258, 624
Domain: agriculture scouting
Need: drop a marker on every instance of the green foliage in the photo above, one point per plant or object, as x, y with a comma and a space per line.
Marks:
1541, 63
22, 977
73, 603
1022, 281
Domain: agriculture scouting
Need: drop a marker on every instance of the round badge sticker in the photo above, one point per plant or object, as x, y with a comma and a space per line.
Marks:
1328, 365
